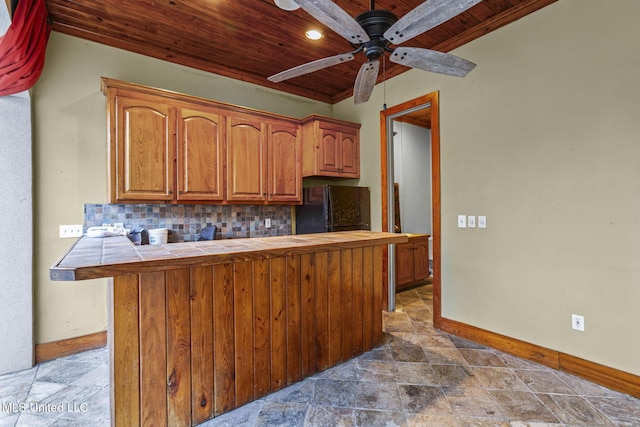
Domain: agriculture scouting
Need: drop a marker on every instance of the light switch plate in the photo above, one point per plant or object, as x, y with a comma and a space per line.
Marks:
471, 221
482, 221
462, 221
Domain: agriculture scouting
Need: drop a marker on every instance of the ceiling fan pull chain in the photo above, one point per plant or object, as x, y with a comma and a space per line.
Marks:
384, 82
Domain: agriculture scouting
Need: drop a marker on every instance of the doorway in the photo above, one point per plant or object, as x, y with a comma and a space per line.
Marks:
424, 106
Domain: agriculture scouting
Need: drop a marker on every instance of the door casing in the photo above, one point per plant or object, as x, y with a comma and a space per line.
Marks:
386, 146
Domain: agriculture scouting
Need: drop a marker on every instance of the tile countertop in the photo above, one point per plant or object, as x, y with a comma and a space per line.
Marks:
92, 258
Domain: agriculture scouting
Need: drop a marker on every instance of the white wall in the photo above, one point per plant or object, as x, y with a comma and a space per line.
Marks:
412, 172
542, 137
16, 233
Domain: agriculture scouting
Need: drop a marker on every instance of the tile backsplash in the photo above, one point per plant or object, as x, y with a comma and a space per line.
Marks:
186, 221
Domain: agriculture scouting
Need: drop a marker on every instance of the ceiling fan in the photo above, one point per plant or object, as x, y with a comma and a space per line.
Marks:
373, 32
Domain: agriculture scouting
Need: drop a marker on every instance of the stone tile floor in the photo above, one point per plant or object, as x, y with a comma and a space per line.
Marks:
420, 377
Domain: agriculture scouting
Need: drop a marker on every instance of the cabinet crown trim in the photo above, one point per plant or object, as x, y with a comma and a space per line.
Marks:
109, 83
332, 120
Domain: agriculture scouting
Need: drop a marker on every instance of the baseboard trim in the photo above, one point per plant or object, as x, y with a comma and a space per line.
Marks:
591, 371
600, 374
56, 349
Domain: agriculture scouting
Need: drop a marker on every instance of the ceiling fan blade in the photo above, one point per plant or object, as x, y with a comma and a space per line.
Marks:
365, 81
310, 67
431, 60
424, 17
334, 17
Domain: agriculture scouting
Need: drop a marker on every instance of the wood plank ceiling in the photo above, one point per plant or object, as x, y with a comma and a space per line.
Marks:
250, 40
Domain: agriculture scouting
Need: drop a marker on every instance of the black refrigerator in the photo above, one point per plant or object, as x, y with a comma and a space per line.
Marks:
333, 208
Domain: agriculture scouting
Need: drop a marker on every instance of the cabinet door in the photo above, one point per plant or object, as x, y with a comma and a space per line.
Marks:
421, 259
349, 166
284, 163
246, 159
144, 150
331, 148
404, 264
329, 152
200, 156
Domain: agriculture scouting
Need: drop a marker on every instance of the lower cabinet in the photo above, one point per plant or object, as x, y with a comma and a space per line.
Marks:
412, 261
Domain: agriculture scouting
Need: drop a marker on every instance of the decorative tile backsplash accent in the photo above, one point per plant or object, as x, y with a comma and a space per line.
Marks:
186, 221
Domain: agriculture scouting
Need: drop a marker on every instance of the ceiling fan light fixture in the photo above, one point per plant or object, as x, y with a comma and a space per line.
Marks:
372, 32
314, 34
288, 5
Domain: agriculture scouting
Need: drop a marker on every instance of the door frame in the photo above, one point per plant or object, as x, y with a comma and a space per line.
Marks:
386, 147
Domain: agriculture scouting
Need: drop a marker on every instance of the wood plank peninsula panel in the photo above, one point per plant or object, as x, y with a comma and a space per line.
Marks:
214, 325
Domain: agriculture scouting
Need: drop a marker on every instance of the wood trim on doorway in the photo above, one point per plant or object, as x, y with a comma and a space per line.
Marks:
431, 99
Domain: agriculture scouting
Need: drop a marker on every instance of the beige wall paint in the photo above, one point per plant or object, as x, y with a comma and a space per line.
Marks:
543, 138
70, 159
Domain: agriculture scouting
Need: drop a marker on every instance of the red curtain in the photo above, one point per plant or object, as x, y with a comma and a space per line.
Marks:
23, 46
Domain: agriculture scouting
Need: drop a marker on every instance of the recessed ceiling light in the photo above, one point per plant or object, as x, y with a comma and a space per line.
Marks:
314, 34
287, 4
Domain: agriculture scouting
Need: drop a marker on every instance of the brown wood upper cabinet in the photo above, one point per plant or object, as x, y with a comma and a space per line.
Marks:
284, 157
246, 158
167, 147
263, 160
200, 155
142, 148
331, 148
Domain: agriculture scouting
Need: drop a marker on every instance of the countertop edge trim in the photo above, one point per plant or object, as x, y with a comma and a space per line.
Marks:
70, 273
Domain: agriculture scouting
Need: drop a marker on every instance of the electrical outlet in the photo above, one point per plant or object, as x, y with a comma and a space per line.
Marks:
462, 221
267, 223
482, 221
471, 221
67, 231
577, 322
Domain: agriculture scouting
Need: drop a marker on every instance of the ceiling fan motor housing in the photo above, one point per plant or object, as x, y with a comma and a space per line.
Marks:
375, 23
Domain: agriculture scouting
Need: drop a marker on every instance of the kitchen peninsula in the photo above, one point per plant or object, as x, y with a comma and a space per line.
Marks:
197, 329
